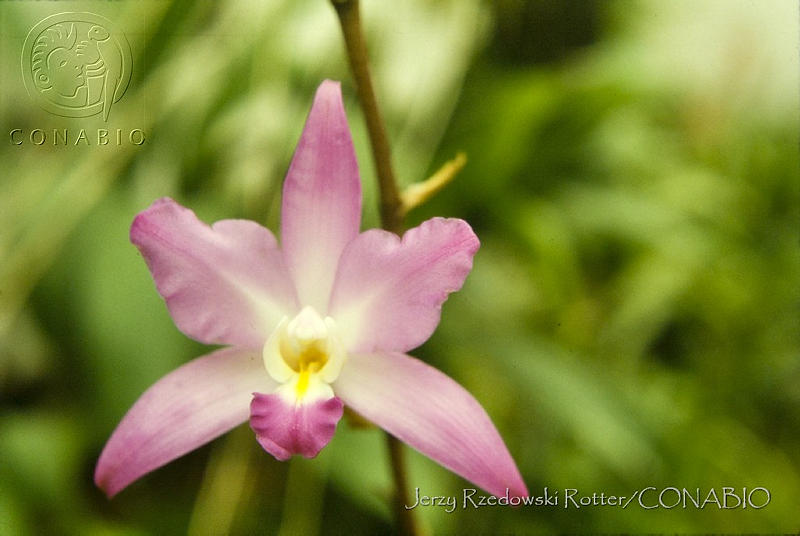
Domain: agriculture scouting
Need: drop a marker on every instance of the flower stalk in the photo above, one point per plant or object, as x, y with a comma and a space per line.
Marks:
391, 203
406, 522
392, 209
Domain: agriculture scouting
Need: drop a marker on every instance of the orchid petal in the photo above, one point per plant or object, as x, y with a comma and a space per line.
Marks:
321, 210
224, 284
284, 427
388, 293
185, 409
432, 413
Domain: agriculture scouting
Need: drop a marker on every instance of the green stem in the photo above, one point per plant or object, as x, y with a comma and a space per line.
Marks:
404, 517
391, 204
392, 212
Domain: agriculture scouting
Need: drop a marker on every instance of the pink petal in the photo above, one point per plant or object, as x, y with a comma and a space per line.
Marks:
432, 413
224, 284
185, 409
321, 198
284, 428
388, 293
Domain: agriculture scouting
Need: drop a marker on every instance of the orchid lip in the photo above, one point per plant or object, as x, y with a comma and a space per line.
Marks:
304, 354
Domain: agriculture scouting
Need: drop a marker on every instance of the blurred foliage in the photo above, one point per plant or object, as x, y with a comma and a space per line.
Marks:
631, 320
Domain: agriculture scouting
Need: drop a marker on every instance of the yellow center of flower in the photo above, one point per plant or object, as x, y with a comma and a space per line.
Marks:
305, 355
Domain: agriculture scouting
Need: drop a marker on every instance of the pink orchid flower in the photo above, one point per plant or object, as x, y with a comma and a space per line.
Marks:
321, 322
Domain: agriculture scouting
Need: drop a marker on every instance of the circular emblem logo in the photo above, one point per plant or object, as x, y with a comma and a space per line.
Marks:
76, 64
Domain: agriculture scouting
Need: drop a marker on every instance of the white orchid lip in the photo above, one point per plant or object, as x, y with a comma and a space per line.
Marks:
305, 354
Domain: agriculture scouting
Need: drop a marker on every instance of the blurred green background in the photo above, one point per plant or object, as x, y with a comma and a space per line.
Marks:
631, 320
